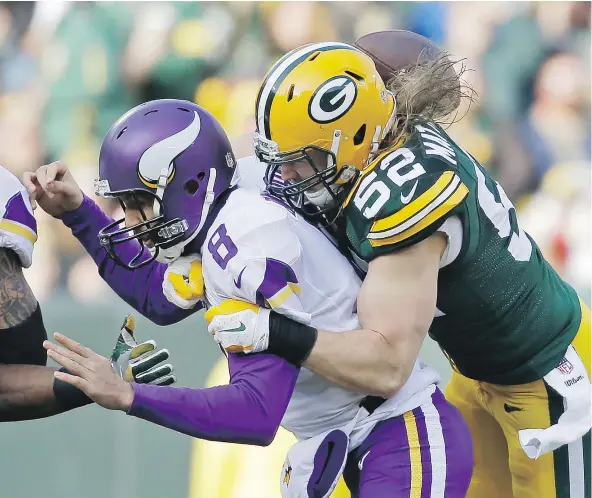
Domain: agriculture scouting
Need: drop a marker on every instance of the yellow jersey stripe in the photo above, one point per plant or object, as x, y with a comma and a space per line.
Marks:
414, 454
416, 218
454, 200
280, 297
18, 229
416, 206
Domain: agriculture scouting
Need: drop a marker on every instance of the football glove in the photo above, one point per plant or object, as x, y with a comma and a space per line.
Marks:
183, 283
239, 327
141, 363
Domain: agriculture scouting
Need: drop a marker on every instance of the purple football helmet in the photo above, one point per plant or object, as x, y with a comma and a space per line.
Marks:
177, 154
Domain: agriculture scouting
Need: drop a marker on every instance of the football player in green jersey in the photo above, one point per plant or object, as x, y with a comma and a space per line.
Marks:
442, 253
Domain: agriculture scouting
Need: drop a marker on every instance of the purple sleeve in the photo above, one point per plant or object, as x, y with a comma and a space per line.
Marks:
140, 288
249, 410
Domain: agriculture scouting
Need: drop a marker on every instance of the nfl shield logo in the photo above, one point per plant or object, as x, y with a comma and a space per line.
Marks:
565, 367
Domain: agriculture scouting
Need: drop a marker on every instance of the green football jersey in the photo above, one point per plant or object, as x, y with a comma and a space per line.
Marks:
503, 314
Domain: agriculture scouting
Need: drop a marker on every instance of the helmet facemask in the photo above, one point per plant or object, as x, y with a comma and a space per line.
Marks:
163, 235
317, 195
169, 161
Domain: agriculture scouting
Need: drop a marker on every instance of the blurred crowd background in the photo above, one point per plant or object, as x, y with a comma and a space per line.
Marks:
69, 69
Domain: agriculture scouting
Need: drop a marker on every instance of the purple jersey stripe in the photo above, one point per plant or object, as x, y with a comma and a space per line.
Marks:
277, 276
17, 211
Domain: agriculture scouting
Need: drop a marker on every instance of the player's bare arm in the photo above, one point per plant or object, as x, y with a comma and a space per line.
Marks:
396, 307
254, 392
26, 391
17, 301
27, 387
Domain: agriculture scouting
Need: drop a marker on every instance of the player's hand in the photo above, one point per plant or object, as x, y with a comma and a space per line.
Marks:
90, 372
142, 363
53, 188
239, 327
183, 283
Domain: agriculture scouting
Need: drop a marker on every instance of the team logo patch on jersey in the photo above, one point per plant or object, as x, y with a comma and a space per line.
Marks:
565, 366
333, 99
287, 475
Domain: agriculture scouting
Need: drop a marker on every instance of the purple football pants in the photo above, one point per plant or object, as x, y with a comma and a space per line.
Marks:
424, 453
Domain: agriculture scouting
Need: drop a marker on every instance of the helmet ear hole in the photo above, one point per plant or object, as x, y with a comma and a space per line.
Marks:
357, 77
191, 186
360, 134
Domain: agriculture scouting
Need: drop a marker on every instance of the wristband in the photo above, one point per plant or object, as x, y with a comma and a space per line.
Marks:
68, 396
290, 340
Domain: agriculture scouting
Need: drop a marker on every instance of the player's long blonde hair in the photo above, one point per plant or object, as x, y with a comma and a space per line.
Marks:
430, 91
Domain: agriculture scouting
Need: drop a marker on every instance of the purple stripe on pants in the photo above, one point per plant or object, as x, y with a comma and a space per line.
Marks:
385, 456
458, 445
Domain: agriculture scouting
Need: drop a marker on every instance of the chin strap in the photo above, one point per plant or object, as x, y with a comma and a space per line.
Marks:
172, 253
160, 187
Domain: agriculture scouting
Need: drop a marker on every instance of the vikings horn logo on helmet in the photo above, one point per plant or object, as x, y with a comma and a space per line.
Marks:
162, 154
333, 99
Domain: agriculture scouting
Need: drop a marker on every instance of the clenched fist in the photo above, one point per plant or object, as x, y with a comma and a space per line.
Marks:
183, 283
239, 327
53, 188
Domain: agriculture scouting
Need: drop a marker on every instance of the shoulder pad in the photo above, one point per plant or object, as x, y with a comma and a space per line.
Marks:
403, 196
18, 228
254, 242
250, 173
256, 229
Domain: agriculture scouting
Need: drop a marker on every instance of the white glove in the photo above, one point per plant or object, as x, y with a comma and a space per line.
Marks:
183, 283
239, 327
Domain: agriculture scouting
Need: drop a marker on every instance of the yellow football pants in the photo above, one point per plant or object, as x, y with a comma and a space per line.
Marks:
495, 413
224, 470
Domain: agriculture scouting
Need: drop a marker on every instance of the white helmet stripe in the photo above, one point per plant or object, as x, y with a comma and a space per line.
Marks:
161, 154
266, 92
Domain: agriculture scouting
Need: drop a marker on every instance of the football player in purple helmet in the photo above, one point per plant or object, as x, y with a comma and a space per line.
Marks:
170, 165
139, 158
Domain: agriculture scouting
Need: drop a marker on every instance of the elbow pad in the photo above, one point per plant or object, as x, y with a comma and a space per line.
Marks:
23, 344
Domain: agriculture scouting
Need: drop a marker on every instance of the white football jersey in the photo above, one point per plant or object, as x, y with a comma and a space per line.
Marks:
258, 251
250, 173
18, 228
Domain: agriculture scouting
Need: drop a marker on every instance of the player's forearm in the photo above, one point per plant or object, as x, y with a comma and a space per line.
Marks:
26, 393
248, 410
361, 360
140, 288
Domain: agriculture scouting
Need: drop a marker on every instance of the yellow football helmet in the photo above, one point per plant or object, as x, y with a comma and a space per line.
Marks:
321, 98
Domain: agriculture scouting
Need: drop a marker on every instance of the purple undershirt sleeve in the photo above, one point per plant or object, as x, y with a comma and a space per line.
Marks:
140, 288
249, 410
